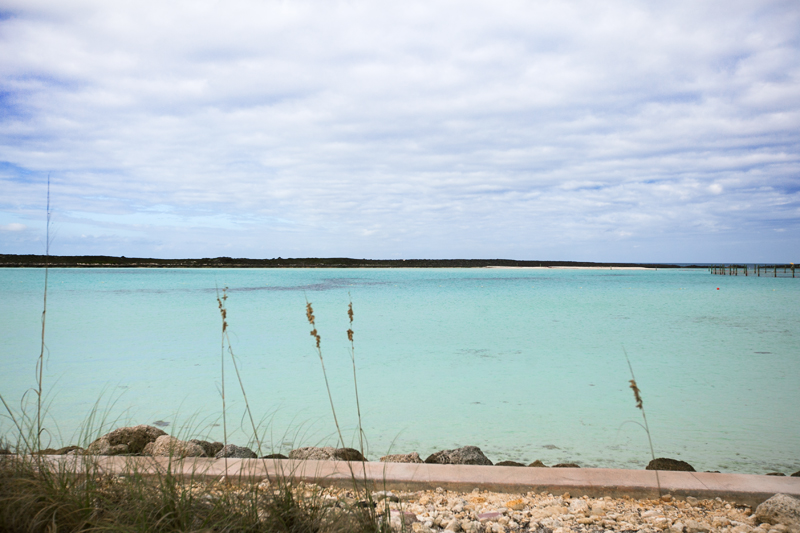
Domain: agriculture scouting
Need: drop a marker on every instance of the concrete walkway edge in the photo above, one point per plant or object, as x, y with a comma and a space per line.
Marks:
745, 489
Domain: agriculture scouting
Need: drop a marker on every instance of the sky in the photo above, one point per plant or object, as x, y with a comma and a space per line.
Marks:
622, 130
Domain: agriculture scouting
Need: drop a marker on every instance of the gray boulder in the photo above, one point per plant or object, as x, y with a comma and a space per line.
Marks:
508, 463
166, 446
468, 455
412, 457
210, 448
235, 452
125, 441
348, 454
663, 463
780, 509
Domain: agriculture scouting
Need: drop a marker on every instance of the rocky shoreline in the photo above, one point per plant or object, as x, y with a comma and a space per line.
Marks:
477, 511
152, 441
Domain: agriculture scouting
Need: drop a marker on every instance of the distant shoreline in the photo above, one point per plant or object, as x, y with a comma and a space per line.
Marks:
102, 261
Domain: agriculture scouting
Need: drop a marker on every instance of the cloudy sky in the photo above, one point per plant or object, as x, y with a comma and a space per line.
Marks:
601, 131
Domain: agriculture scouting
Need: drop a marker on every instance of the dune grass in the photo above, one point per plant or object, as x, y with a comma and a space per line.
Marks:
38, 495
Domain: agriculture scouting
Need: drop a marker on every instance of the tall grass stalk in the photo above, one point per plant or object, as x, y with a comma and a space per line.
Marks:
224, 313
640, 405
40, 360
355, 378
314, 333
226, 340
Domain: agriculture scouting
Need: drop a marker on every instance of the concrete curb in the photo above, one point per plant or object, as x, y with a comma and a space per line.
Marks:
746, 489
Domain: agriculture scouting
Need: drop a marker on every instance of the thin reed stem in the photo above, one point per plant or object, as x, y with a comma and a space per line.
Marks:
40, 361
17, 424
224, 313
318, 339
226, 338
639, 405
355, 378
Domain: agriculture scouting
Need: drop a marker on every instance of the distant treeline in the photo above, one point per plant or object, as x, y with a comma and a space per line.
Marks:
104, 261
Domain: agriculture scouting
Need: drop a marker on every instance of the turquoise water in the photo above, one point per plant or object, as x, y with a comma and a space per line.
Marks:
526, 364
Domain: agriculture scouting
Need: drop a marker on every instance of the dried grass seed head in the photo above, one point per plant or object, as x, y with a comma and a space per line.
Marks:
350, 312
310, 313
350, 335
316, 336
636, 394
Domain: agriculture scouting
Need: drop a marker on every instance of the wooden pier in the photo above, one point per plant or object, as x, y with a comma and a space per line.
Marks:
772, 271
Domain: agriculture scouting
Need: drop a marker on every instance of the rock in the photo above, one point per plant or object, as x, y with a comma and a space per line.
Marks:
796, 474
236, 452
275, 456
61, 451
566, 465
210, 448
578, 507
312, 453
412, 457
694, 526
508, 463
167, 446
491, 516
468, 455
326, 453
775, 474
125, 441
453, 525
780, 509
348, 454
663, 463
385, 495
538, 464
516, 505
401, 520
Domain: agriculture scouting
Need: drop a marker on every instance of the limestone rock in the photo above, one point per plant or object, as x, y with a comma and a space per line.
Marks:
780, 509
312, 453
694, 526
538, 464
516, 505
468, 455
167, 446
412, 457
236, 452
326, 453
125, 441
210, 448
578, 507
663, 463
508, 463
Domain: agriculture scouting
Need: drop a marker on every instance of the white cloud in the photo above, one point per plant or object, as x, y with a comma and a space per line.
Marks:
415, 129
14, 226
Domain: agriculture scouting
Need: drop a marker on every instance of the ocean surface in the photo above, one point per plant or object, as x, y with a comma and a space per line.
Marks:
525, 363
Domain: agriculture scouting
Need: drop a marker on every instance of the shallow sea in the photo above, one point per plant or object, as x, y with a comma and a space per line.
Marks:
526, 364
